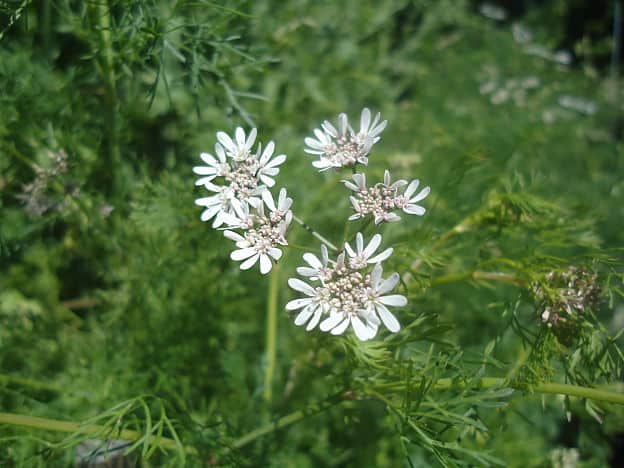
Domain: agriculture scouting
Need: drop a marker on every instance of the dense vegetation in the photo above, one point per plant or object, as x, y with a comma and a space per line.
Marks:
121, 310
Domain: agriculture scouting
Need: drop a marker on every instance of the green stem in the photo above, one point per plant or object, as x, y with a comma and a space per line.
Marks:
288, 420
30, 383
478, 275
316, 234
88, 429
103, 14
549, 388
271, 333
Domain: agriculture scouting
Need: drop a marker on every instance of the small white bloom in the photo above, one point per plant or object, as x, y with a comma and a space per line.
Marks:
318, 269
349, 293
377, 301
268, 168
242, 175
407, 202
215, 167
312, 307
263, 234
342, 146
382, 199
222, 207
241, 148
364, 255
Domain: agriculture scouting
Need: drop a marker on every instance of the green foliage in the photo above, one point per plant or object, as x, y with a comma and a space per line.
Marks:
120, 309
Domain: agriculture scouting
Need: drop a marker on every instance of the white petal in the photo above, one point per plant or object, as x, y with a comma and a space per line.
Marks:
242, 254
350, 250
395, 300
365, 119
331, 321
312, 260
360, 329
226, 141
414, 209
303, 316
251, 261
382, 256
376, 275
372, 246
267, 153
266, 180
421, 195
315, 319
388, 284
300, 286
208, 159
265, 264
341, 327
275, 253
204, 170
359, 241
268, 200
210, 212
235, 236
411, 188
298, 303
388, 319
306, 271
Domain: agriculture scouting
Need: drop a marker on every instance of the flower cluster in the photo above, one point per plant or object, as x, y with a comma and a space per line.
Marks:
382, 199
563, 298
240, 198
347, 291
244, 175
342, 146
38, 196
262, 233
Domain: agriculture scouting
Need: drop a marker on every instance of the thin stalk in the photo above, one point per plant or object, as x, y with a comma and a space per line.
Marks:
271, 333
88, 429
548, 387
103, 14
288, 420
478, 275
30, 383
315, 234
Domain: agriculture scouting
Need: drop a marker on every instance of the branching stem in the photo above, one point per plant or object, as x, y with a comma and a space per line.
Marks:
316, 234
478, 275
271, 333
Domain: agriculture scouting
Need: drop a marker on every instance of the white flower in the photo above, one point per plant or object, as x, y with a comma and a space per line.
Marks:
241, 148
360, 258
382, 199
242, 175
348, 294
408, 203
313, 307
318, 269
215, 168
268, 167
221, 207
342, 146
262, 234
377, 302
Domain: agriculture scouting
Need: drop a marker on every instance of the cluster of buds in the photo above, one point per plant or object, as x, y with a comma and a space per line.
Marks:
342, 146
347, 291
564, 297
383, 198
240, 197
36, 194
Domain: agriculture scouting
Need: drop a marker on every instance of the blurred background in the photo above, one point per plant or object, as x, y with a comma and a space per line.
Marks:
111, 289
